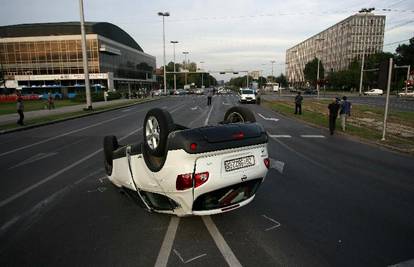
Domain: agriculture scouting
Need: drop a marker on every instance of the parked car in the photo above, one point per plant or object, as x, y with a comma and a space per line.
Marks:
183, 171
247, 96
374, 92
408, 94
310, 91
158, 92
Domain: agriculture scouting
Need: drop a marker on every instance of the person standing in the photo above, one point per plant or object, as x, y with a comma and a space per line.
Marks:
298, 104
50, 102
345, 111
333, 114
209, 96
20, 108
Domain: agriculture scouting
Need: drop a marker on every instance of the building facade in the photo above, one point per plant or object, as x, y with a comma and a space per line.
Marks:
50, 55
337, 46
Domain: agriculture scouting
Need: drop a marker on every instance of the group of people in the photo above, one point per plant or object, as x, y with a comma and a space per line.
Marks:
343, 107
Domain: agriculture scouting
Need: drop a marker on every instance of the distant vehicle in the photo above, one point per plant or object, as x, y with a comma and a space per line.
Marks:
180, 92
406, 94
276, 87
247, 96
374, 92
158, 92
199, 91
310, 91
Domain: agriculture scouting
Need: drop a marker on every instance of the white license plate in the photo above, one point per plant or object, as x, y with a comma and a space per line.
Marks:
239, 163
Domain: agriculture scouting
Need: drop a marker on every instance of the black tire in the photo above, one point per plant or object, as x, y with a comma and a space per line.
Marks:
239, 114
158, 123
110, 144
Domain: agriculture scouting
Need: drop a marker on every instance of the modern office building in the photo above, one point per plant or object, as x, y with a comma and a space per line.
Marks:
337, 46
50, 54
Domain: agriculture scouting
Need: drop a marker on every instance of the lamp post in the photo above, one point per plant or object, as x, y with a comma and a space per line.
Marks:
164, 14
273, 62
175, 77
366, 11
185, 65
202, 75
85, 58
319, 61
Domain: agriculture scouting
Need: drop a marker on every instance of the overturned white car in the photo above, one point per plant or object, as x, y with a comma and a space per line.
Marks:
200, 171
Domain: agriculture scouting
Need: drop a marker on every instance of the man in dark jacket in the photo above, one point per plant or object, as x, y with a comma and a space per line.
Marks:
298, 104
345, 111
20, 108
333, 114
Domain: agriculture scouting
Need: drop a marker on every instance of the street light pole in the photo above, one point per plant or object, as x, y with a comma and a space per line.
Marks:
202, 75
85, 58
273, 62
175, 76
185, 65
366, 11
319, 61
164, 14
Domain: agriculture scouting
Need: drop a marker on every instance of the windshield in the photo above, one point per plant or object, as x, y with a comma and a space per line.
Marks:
247, 92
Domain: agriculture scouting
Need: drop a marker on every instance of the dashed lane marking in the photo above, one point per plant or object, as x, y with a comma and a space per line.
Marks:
280, 136
189, 260
276, 223
312, 136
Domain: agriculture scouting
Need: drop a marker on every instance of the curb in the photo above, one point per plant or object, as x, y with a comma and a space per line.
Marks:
71, 118
376, 144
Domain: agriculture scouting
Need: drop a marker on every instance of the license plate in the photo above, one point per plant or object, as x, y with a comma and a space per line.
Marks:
239, 163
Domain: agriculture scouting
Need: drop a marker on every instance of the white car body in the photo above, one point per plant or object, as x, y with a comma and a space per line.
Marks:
374, 92
247, 96
180, 162
199, 171
406, 94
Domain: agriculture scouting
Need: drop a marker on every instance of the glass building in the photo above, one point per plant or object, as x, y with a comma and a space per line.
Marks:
50, 54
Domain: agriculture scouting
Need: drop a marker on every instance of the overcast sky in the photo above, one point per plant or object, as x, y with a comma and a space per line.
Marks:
225, 34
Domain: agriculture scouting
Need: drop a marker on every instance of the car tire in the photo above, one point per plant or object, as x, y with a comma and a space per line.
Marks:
239, 114
110, 144
158, 123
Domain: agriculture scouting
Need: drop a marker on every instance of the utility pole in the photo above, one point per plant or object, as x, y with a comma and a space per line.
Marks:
366, 11
273, 62
164, 14
387, 99
202, 76
185, 65
319, 62
85, 58
175, 76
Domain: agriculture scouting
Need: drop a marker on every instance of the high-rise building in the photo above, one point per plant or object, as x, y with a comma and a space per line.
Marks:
49, 55
337, 46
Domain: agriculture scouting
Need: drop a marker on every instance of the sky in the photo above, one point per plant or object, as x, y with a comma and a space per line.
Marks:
224, 34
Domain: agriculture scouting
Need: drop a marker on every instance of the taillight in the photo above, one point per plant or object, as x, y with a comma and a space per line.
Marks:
267, 162
200, 178
238, 136
185, 181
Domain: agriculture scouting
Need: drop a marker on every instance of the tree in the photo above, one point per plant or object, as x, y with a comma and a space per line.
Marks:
405, 53
281, 79
311, 69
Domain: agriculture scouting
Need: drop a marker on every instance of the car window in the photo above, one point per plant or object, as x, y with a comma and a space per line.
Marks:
247, 92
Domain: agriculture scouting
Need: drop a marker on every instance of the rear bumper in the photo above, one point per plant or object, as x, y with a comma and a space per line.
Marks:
225, 209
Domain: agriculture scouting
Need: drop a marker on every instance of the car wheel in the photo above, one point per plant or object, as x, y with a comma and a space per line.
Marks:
239, 114
110, 144
157, 125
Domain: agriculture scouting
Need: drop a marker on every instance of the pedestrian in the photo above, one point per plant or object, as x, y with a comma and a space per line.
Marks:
333, 114
345, 111
209, 96
298, 103
106, 95
50, 102
20, 108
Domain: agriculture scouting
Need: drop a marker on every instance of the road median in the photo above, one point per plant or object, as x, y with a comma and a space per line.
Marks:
365, 124
68, 114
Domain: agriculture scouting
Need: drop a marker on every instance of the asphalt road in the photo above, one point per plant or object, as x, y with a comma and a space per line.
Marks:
327, 201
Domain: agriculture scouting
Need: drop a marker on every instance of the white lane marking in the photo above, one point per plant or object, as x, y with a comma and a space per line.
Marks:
208, 116
194, 108
61, 135
126, 110
280, 135
403, 264
56, 174
190, 260
312, 136
277, 224
167, 243
220, 242
277, 165
268, 119
34, 158
226, 104
47, 201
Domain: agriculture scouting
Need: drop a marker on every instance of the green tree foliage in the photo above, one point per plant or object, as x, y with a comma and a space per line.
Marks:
405, 54
345, 79
281, 79
311, 69
195, 78
238, 82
